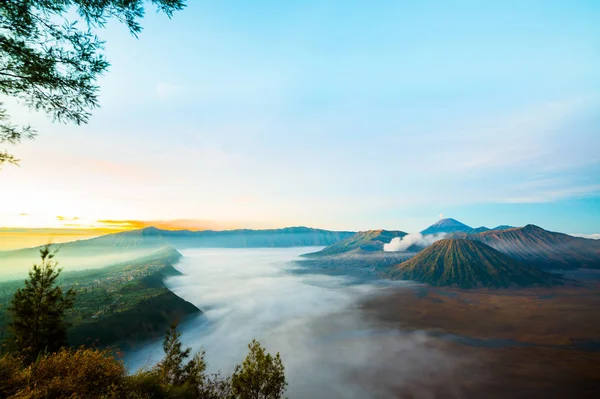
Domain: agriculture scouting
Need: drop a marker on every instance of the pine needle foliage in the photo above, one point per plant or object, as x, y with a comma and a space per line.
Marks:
38, 310
51, 58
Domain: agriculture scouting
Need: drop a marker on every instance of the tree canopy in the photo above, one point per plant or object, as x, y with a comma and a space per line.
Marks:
50, 62
38, 310
261, 376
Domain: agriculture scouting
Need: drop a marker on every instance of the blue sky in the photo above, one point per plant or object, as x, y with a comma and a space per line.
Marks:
346, 115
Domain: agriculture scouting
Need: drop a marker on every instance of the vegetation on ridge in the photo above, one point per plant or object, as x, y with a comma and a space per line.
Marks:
38, 364
116, 304
51, 63
468, 264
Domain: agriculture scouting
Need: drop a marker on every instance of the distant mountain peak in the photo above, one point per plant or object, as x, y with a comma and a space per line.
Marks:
503, 227
532, 227
448, 222
151, 229
447, 225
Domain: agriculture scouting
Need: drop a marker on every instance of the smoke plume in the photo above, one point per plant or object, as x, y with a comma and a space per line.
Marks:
400, 244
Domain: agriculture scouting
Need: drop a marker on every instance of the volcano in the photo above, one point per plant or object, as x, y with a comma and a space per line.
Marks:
469, 264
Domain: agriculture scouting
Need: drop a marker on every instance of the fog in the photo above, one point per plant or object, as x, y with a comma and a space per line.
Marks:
16, 264
400, 244
329, 346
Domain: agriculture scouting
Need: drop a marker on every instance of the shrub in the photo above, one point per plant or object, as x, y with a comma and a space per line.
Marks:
11, 376
69, 373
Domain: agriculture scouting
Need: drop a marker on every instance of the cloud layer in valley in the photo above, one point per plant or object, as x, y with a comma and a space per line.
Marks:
329, 347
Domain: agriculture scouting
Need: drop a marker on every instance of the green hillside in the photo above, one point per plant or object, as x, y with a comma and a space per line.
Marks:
468, 264
122, 303
368, 241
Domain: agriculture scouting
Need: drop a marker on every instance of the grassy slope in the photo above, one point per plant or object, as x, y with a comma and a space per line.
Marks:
468, 264
538, 247
371, 240
119, 303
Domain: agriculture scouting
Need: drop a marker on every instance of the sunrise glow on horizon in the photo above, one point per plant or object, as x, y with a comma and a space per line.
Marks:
263, 116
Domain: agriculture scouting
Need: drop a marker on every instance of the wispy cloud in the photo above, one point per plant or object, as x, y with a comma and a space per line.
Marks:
517, 140
190, 224
555, 194
594, 236
67, 218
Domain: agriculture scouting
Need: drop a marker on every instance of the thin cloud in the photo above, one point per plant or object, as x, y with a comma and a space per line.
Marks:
184, 224
594, 236
67, 218
554, 195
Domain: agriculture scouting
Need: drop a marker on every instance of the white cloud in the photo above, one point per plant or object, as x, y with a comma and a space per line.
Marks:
595, 236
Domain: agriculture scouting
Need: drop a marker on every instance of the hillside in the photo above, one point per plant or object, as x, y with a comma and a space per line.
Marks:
152, 237
468, 264
545, 249
366, 241
121, 303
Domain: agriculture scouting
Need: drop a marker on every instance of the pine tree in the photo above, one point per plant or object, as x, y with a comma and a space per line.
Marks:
261, 376
172, 369
51, 58
38, 310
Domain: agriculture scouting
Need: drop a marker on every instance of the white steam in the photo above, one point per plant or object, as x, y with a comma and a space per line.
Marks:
399, 244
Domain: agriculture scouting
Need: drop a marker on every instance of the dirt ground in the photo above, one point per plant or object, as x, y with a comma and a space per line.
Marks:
524, 343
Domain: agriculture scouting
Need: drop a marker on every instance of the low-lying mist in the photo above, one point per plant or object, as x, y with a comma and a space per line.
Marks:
16, 264
329, 346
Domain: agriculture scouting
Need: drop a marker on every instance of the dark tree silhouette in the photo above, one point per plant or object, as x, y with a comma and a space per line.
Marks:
173, 369
38, 310
51, 64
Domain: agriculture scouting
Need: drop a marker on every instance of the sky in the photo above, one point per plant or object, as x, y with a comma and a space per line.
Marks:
340, 115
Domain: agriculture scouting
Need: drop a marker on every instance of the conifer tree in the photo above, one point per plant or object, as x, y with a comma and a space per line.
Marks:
172, 369
38, 310
51, 58
261, 376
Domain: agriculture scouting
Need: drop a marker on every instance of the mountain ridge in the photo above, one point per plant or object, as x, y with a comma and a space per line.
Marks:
536, 246
365, 241
468, 264
447, 225
239, 238
450, 225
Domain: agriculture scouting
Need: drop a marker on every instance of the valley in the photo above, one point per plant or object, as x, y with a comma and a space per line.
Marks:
455, 314
528, 343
